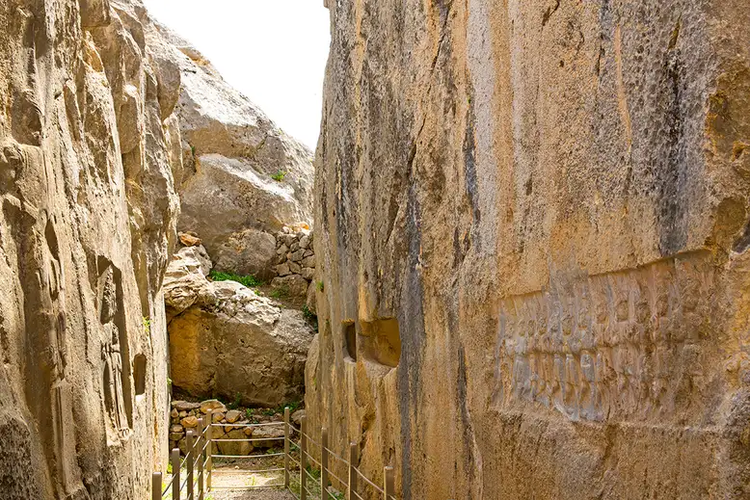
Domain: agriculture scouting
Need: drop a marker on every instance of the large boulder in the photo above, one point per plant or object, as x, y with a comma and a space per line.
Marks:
226, 340
244, 178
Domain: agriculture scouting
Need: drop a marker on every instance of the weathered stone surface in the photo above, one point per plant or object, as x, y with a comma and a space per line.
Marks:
185, 283
236, 342
214, 405
544, 206
231, 151
189, 422
292, 286
181, 406
235, 447
87, 219
233, 416
272, 436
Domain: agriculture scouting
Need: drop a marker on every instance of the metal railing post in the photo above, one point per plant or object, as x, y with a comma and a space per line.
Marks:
201, 456
190, 459
324, 464
287, 437
156, 486
175, 474
209, 448
390, 483
352, 473
302, 467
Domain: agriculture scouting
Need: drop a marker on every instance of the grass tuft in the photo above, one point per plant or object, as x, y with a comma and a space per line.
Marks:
248, 281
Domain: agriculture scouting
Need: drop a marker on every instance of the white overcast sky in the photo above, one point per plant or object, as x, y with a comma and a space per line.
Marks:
273, 51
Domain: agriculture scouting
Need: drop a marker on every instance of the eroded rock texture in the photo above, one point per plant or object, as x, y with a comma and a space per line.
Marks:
226, 340
232, 151
88, 214
532, 228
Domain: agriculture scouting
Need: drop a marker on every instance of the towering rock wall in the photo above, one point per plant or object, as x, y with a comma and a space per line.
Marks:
88, 149
532, 229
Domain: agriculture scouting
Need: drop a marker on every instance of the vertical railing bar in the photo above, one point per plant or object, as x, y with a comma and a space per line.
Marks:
156, 486
389, 487
303, 452
353, 459
287, 437
324, 464
176, 474
201, 456
209, 448
190, 463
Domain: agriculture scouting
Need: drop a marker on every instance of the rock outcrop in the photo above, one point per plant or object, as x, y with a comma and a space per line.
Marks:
226, 340
543, 207
89, 144
244, 178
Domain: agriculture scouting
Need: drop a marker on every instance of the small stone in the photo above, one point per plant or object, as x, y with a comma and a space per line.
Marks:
183, 414
175, 436
309, 253
248, 431
308, 261
177, 428
295, 268
217, 416
189, 240
308, 273
298, 255
305, 241
174, 413
190, 422
283, 270
294, 247
185, 406
282, 249
232, 416
212, 404
297, 416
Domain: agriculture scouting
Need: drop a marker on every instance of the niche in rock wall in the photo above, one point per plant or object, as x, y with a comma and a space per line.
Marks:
139, 374
381, 341
350, 341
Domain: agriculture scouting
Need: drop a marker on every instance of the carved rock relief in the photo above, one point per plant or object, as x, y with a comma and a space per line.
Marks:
115, 356
623, 343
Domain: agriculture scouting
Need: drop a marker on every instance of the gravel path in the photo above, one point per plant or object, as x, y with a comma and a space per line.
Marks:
229, 477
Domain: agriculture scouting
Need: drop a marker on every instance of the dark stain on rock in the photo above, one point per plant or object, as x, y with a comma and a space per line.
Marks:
671, 178
548, 14
411, 316
470, 165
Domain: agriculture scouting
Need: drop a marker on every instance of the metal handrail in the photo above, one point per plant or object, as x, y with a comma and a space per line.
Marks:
198, 463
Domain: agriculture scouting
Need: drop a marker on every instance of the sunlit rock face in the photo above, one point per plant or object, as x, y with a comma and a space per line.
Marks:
244, 178
88, 147
531, 229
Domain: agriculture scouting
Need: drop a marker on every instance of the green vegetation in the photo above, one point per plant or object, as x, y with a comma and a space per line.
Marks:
279, 176
236, 403
146, 325
320, 286
307, 313
248, 281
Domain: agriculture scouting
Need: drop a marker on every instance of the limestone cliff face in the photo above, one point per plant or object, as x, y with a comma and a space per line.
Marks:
232, 151
88, 146
532, 229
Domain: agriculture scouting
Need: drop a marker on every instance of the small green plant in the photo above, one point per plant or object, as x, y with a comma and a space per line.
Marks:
314, 473
279, 176
280, 293
249, 413
307, 313
336, 494
320, 286
169, 467
147, 324
192, 150
169, 383
248, 281
237, 402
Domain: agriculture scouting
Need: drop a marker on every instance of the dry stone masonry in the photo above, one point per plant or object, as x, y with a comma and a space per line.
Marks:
295, 267
532, 232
